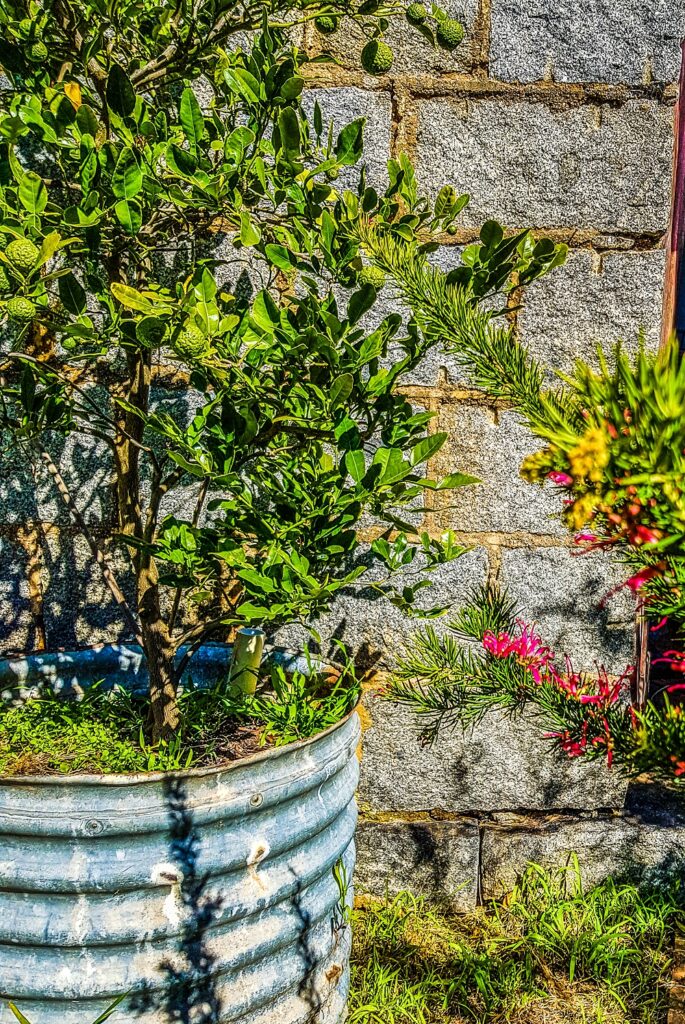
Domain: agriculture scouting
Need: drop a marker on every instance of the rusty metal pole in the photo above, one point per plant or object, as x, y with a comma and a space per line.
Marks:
672, 321
673, 312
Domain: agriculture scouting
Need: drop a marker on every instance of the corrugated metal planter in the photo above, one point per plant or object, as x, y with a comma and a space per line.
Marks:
210, 895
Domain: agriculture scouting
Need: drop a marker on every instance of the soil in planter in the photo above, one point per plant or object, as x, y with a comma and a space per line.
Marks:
102, 732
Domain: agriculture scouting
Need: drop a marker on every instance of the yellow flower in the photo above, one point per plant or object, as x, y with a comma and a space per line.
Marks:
581, 511
590, 456
535, 467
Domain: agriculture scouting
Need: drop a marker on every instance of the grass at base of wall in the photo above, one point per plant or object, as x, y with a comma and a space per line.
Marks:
548, 953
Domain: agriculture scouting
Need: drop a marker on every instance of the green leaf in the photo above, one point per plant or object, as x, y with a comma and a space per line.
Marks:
249, 232
18, 1014
87, 121
318, 120
341, 388
257, 580
192, 121
110, 1009
32, 192
289, 128
347, 434
491, 234
355, 464
350, 143
456, 480
180, 161
131, 298
280, 257
244, 83
50, 245
72, 293
127, 179
427, 448
88, 168
120, 94
265, 312
129, 215
393, 466
250, 610
360, 302
292, 88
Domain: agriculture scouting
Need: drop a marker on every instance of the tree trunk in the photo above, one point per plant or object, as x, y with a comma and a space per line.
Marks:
164, 712
159, 653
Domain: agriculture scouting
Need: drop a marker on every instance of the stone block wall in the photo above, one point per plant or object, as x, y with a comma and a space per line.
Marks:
559, 116
554, 115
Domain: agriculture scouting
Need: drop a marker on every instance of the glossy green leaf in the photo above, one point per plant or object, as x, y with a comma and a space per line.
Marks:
427, 448
32, 192
131, 298
192, 120
289, 127
350, 143
360, 302
249, 231
121, 97
72, 293
127, 179
129, 215
280, 257
341, 388
355, 464
87, 121
265, 312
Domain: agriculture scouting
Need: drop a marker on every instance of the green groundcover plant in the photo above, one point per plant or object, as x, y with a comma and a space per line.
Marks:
614, 443
552, 951
144, 149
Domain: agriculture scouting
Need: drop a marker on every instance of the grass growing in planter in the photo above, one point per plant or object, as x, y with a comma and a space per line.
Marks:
548, 953
101, 733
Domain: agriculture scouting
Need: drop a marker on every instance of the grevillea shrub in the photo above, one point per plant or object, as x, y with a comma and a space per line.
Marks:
613, 445
452, 680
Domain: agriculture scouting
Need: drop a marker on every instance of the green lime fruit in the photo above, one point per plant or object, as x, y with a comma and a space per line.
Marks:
373, 276
377, 57
326, 24
4, 280
20, 308
23, 254
38, 52
192, 344
416, 14
449, 33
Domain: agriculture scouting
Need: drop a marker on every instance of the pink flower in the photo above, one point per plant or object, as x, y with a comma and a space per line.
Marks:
585, 538
563, 479
643, 535
526, 647
674, 659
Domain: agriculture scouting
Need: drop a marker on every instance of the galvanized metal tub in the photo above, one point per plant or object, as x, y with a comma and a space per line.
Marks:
208, 895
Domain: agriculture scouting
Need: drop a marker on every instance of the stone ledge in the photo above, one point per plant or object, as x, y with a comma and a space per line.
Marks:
437, 859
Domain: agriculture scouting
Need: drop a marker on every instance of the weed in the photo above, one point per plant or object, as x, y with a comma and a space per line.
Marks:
549, 953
